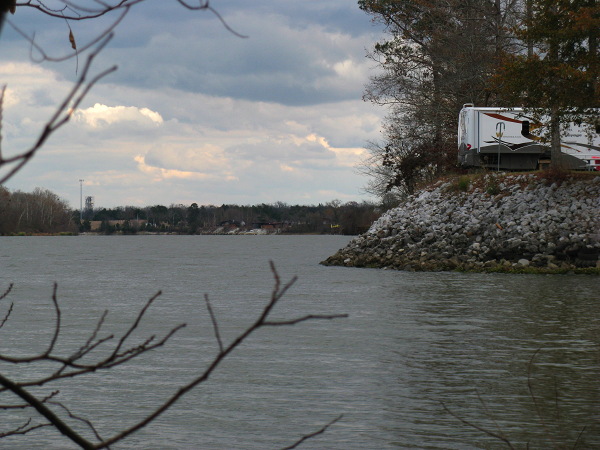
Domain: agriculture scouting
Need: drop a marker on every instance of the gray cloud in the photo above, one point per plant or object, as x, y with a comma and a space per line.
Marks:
276, 116
279, 62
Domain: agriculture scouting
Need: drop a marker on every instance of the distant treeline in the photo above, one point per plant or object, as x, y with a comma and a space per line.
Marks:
333, 217
42, 211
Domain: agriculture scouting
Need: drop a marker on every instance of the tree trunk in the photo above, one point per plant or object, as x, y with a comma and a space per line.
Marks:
529, 19
555, 153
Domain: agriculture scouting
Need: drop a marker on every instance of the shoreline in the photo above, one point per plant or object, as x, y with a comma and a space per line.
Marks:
513, 223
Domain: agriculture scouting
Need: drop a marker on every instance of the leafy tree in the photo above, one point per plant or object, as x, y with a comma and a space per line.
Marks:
85, 226
158, 214
436, 56
40, 211
193, 216
558, 75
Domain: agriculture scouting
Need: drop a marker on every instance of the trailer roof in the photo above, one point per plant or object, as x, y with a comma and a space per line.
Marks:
492, 108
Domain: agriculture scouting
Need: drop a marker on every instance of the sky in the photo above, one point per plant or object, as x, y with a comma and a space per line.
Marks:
195, 113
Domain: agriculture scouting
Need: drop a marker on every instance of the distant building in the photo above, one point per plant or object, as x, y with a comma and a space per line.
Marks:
96, 225
270, 225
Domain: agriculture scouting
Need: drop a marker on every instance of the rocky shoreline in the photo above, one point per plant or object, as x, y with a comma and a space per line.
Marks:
542, 222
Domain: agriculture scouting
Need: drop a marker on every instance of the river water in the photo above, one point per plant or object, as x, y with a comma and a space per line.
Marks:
516, 355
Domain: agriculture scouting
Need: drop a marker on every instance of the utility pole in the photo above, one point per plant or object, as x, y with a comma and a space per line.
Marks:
81, 200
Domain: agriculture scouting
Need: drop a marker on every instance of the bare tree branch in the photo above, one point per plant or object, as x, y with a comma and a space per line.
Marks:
1, 109
46, 412
44, 56
214, 323
81, 419
7, 315
10, 286
57, 326
277, 323
122, 352
477, 427
62, 115
72, 366
499, 435
75, 11
135, 324
90, 344
5, 293
27, 405
312, 435
276, 295
24, 429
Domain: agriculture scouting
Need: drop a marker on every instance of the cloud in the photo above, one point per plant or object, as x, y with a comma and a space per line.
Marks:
197, 114
285, 58
187, 160
159, 173
101, 116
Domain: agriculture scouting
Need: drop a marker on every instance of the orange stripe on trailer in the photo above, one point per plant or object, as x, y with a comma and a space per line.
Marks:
501, 117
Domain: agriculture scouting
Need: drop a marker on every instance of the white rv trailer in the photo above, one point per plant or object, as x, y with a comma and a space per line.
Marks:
504, 138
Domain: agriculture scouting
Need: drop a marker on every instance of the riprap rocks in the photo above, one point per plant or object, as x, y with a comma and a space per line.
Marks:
498, 223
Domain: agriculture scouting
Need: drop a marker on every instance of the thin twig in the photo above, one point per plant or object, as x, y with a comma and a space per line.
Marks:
135, 323
46, 412
44, 56
277, 323
579, 437
85, 348
1, 109
57, 325
312, 435
24, 429
538, 408
7, 315
477, 427
488, 414
214, 323
27, 405
10, 286
81, 419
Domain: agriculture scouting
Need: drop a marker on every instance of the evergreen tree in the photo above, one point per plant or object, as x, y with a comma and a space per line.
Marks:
556, 80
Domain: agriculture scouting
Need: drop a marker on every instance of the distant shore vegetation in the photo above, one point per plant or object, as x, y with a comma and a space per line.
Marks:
43, 212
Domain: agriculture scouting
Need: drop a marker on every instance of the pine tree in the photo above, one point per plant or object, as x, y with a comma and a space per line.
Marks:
557, 78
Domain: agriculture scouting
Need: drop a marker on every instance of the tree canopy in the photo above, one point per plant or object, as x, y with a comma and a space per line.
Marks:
558, 74
438, 55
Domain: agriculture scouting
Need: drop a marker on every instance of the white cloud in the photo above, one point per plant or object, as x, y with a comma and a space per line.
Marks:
100, 115
195, 114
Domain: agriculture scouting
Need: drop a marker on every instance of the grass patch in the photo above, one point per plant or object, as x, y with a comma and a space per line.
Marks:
463, 183
490, 182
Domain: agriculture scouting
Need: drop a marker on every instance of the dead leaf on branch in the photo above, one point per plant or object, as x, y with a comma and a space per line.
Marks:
72, 40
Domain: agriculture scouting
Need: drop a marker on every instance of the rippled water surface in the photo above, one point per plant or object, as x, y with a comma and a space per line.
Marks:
516, 355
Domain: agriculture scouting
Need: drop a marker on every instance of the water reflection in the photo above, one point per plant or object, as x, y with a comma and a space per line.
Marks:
479, 334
